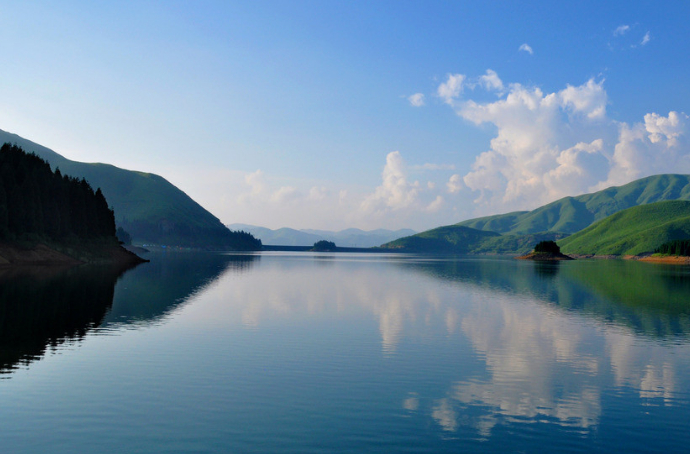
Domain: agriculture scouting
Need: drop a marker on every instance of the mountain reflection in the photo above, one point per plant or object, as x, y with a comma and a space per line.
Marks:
148, 293
42, 307
651, 300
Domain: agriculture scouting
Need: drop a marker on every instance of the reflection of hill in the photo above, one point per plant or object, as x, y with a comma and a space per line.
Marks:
650, 299
153, 290
41, 307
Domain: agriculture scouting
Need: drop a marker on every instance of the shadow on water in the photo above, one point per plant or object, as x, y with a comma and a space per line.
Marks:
652, 300
44, 307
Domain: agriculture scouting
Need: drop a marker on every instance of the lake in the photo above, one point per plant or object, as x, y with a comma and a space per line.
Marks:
345, 353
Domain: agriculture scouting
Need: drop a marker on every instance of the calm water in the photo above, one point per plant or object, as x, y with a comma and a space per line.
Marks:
307, 353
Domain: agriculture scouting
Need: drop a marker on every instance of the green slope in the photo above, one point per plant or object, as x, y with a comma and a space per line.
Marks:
454, 239
449, 239
632, 231
149, 207
572, 214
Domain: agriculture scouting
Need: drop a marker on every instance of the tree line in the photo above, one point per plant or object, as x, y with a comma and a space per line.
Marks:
37, 203
675, 247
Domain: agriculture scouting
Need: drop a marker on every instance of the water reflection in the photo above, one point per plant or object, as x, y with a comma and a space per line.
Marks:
149, 293
42, 307
652, 300
553, 338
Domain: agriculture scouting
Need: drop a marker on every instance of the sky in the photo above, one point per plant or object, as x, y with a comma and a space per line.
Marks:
367, 114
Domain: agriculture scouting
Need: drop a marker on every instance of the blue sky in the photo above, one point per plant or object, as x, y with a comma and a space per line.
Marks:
355, 114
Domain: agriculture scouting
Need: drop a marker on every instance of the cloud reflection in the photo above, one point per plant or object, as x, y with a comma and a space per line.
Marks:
539, 361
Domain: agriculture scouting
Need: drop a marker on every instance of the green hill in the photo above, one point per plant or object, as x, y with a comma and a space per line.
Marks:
572, 214
147, 206
455, 239
632, 231
450, 239
521, 230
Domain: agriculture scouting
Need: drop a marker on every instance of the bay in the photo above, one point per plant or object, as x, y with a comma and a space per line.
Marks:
278, 352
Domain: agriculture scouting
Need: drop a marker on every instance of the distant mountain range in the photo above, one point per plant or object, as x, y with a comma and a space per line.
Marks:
518, 232
147, 206
305, 237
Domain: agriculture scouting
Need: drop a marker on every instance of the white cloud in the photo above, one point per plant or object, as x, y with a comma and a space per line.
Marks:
526, 48
451, 88
394, 192
454, 184
255, 181
645, 39
318, 193
659, 145
491, 81
549, 145
285, 194
417, 100
435, 205
621, 30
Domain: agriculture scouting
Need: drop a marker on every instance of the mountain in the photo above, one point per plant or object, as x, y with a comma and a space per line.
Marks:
633, 231
305, 237
451, 238
572, 214
147, 206
521, 230
458, 239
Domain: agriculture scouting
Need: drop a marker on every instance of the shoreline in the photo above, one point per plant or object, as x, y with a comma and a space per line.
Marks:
40, 254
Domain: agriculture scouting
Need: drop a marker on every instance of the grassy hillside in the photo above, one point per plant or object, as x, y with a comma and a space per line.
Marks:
147, 206
572, 214
448, 239
632, 231
465, 240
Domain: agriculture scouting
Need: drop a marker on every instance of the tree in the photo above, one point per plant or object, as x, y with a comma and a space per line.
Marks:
547, 246
324, 246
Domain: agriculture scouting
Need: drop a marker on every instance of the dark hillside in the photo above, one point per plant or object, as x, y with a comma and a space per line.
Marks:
147, 206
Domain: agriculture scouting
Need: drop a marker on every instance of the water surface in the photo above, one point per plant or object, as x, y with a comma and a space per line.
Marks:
346, 353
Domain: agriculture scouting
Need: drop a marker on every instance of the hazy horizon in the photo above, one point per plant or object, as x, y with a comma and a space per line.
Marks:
355, 115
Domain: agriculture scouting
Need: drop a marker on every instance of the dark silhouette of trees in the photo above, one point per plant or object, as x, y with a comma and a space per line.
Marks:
547, 246
324, 246
675, 247
37, 203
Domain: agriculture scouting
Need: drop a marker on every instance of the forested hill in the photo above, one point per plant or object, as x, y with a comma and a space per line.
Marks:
147, 206
37, 204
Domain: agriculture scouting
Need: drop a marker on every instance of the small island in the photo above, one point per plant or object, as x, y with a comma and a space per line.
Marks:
324, 246
545, 251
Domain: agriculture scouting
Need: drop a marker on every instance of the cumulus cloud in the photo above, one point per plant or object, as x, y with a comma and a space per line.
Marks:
451, 88
416, 100
491, 81
621, 30
659, 145
526, 48
454, 184
549, 145
395, 192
